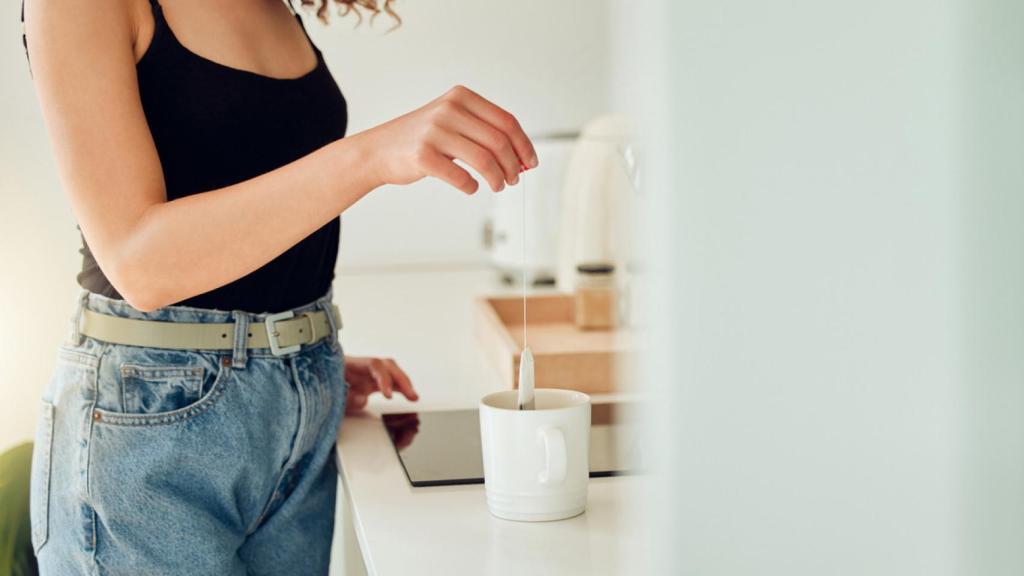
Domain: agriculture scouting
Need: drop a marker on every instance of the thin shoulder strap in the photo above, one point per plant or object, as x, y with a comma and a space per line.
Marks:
158, 10
302, 25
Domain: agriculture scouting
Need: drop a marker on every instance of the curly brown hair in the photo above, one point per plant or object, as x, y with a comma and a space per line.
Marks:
374, 7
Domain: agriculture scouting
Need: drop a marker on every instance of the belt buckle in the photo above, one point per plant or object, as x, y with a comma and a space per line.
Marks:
275, 348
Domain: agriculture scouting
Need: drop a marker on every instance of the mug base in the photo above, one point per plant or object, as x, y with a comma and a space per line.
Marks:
545, 516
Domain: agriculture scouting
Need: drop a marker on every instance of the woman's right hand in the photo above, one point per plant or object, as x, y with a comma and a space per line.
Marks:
459, 125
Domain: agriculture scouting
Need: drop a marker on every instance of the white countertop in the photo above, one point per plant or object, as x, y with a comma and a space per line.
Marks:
448, 530
424, 320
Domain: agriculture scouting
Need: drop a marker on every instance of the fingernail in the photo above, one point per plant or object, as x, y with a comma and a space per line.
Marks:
533, 162
515, 179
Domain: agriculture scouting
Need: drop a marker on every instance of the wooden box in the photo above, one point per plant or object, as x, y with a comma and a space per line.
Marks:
564, 356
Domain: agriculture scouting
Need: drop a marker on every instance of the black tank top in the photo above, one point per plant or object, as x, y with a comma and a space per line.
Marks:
215, 125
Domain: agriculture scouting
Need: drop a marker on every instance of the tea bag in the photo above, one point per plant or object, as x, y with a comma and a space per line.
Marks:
526, 380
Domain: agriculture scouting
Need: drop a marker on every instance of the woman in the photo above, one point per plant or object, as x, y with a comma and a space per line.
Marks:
188, 424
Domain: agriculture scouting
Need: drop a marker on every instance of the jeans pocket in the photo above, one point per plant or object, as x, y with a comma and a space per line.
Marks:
151, 388
39, 493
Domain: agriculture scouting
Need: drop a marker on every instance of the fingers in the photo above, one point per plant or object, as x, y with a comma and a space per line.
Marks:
355, 403
382, 375
402, 381
500, 119
368, 375
493, 140
463, 126
437, 165
357, 374
455, 145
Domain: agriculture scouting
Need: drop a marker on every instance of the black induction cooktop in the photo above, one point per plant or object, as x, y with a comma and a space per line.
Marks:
440, 448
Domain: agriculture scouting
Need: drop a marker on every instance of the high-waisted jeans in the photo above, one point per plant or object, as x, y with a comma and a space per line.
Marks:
162, 461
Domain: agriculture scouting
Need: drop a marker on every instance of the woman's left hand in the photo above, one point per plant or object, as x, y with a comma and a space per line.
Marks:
366, 375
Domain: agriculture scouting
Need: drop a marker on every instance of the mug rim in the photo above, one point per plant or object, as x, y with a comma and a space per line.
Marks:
583, 396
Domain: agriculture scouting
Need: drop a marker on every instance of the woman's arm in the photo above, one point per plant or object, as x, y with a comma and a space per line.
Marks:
156, 252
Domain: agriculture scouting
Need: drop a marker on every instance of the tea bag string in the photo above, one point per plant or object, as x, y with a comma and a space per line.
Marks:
522, 185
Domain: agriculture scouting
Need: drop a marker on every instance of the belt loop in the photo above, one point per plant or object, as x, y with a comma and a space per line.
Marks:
241, 342
75, 338
325, 305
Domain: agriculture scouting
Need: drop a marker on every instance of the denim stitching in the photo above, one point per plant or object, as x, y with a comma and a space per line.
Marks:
40, 527
161, 371
77, 357
156, 373
92, 512
188, 412
86, 467
123, 389
75, 337
299, 433
240, 340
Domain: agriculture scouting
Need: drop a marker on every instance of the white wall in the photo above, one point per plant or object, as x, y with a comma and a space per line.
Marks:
992, 302
547, 62
810, 251
38, 244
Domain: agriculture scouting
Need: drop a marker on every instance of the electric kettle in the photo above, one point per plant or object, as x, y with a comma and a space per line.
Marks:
598, 198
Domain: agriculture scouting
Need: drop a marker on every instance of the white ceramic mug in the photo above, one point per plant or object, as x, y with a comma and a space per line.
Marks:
536, 462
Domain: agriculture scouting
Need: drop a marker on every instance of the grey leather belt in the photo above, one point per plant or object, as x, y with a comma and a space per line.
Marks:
283, 332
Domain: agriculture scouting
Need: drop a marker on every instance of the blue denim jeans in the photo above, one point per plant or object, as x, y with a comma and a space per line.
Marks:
162, 461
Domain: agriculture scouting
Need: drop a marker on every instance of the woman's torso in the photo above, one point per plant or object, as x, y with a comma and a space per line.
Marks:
215, 125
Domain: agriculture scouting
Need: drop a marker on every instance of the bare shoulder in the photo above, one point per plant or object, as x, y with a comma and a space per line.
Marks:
84, 26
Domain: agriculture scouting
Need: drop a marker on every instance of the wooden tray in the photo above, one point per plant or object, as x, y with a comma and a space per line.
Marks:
564, 356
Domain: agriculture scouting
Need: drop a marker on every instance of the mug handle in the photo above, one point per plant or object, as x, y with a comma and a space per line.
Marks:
554, 455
